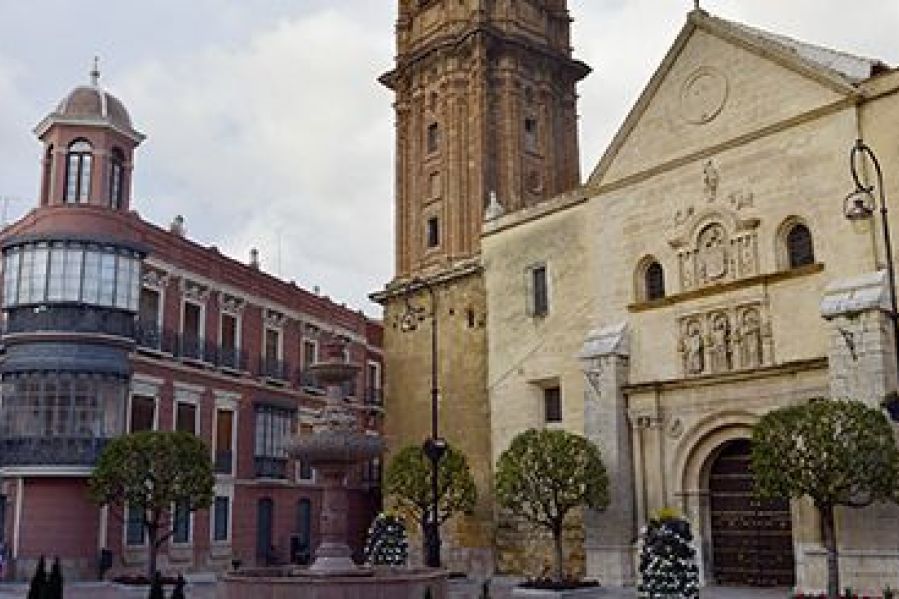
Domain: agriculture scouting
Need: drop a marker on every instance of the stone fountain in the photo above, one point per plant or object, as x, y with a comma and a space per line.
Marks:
335, 445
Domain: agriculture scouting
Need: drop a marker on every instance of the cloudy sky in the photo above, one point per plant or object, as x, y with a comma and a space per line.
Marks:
266, 126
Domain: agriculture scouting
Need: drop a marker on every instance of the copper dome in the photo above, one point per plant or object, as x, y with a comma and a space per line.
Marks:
92, 104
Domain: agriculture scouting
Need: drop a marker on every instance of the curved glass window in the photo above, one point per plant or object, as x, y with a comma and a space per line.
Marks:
116, 178
60, 271
61, 405
78, 172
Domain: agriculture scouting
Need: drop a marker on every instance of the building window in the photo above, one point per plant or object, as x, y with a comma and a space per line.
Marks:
304, 468
799, 246
181, 523
221, 515
134, 526
433, 232
186, 417
143, 413
433, 138
373, 383
78, 172
192, 331
530, 135
224, 441
552, 404
229, 341
116, 179
310, 353
272, 432
654, 279
538, 291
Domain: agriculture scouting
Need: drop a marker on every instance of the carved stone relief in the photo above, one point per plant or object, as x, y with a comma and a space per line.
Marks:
155, 278
703, 95
274, 318
232, 303
194, 291
725, 339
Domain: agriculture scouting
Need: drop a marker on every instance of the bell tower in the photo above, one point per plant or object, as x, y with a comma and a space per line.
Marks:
486, 106
485, 103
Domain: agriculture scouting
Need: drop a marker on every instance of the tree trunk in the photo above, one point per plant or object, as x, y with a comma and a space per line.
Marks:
828, 533
557, 541
152, 533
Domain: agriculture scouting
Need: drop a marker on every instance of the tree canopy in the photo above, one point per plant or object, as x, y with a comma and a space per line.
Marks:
837, 453
408, 482
151, 472
545, 474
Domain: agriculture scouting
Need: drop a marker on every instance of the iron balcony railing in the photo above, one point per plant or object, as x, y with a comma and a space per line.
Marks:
50, 451
269, 467
231, 357
309, 382
272, 368
224, 462
374, 397
149, 335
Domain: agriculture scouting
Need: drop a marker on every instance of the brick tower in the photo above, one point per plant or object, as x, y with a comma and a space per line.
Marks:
485, 104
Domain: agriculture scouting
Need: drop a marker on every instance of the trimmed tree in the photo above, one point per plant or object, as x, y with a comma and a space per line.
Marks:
151, 472
386, 544
408, 483
837, 453
546, 474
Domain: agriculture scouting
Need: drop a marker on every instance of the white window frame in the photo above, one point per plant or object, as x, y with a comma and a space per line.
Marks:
186, 395
227, 402
222, 490
145, 387
201, 334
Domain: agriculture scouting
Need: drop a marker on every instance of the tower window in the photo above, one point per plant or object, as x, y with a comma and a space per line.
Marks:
655, 281
433, 137
116, 179
78, 172
799, 246
433, 232
530, 134
552, 404
538, 296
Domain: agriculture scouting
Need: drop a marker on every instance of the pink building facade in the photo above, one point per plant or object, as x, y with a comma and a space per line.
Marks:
114, 325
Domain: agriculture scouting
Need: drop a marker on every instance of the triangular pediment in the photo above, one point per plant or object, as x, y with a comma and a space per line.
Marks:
722, 81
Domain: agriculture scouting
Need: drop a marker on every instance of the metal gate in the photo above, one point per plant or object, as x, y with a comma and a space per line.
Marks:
752, 540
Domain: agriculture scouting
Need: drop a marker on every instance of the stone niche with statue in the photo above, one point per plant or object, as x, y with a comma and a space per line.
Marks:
725, 339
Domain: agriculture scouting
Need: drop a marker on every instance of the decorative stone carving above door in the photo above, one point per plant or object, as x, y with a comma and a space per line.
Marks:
725, 339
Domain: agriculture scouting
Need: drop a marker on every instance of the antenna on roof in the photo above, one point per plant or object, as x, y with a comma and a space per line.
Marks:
95, 72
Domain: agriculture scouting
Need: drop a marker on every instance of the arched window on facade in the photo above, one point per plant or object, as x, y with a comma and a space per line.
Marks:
116, 178
800, 250
654, 281
78, 172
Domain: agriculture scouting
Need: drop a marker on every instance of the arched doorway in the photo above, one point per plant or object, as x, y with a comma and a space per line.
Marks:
752, 540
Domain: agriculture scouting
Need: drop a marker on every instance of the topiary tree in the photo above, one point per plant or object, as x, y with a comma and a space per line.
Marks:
386, 544
667, 559
54, 581
545, 474
150, 472
38, 585
408, 483
837, 453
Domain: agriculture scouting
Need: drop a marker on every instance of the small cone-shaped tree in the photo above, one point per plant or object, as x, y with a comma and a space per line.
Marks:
386, 544
667, 559
38, 584
54, 581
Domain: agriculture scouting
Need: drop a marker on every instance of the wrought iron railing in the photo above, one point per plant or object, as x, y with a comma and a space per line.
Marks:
272, 368
224, 462
268, 467
308, 381
50, 451
232, 357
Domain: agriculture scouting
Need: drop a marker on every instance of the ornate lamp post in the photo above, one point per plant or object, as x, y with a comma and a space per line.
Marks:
860, 205
434, 446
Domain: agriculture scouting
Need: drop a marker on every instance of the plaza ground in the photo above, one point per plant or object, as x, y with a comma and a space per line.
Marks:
500, 589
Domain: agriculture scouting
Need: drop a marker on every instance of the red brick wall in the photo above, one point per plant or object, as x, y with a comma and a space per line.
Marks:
58, 519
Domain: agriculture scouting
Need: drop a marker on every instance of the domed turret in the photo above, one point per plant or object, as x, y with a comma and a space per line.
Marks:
89, 141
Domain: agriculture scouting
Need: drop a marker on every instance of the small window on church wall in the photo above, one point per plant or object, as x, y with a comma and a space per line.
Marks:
552, 404
78, 172
799, 246
655, 282
530, 134
433, 138
433, 232
539, 291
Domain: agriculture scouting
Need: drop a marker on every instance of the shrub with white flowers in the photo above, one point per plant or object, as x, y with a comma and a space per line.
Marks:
387, 544
667, 559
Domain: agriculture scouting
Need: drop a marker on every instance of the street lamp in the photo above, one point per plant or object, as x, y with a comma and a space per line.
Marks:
860, 205
434, 447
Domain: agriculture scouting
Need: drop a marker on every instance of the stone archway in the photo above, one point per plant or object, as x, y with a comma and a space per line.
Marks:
751, 540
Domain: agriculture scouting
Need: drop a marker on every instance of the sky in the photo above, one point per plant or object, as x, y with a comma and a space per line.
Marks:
266, 125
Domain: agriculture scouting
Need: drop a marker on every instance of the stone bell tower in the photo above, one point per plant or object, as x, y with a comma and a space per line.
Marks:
485, 107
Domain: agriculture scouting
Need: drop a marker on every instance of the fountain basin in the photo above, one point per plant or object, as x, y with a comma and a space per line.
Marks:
292, 583
336, 447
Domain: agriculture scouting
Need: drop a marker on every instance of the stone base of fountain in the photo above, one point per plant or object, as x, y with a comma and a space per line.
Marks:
296, 583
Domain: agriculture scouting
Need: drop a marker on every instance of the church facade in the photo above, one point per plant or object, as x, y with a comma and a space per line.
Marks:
704, 275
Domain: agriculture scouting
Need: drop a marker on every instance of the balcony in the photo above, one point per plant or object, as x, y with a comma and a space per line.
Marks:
308, 382
231, 358
150, 336
272, 368
193, 347
50, 451
374, 397
267, 467
70, 318
224, 462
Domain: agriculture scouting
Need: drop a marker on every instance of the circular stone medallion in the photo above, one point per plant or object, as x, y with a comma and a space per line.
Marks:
703, 95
